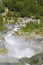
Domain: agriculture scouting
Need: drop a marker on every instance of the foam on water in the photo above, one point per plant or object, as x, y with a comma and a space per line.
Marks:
18, 47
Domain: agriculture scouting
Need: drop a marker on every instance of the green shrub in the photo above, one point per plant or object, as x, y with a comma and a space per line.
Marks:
1, 8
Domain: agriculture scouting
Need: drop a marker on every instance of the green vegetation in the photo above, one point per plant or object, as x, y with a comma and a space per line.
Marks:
2, 27
32, 26
1, 8
25, 8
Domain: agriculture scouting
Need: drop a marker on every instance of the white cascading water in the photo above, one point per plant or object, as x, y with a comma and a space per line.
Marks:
18, 47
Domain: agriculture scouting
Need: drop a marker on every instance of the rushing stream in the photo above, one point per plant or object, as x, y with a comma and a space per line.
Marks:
19, 47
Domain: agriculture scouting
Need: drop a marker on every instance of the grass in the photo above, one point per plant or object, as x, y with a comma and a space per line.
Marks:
33, 26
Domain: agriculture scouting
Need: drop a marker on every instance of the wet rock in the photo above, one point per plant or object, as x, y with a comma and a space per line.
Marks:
37, 59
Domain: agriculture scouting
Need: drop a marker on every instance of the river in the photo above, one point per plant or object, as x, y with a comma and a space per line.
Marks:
19, 47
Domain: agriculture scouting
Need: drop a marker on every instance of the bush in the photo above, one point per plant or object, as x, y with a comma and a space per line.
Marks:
26, 8
1, 8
